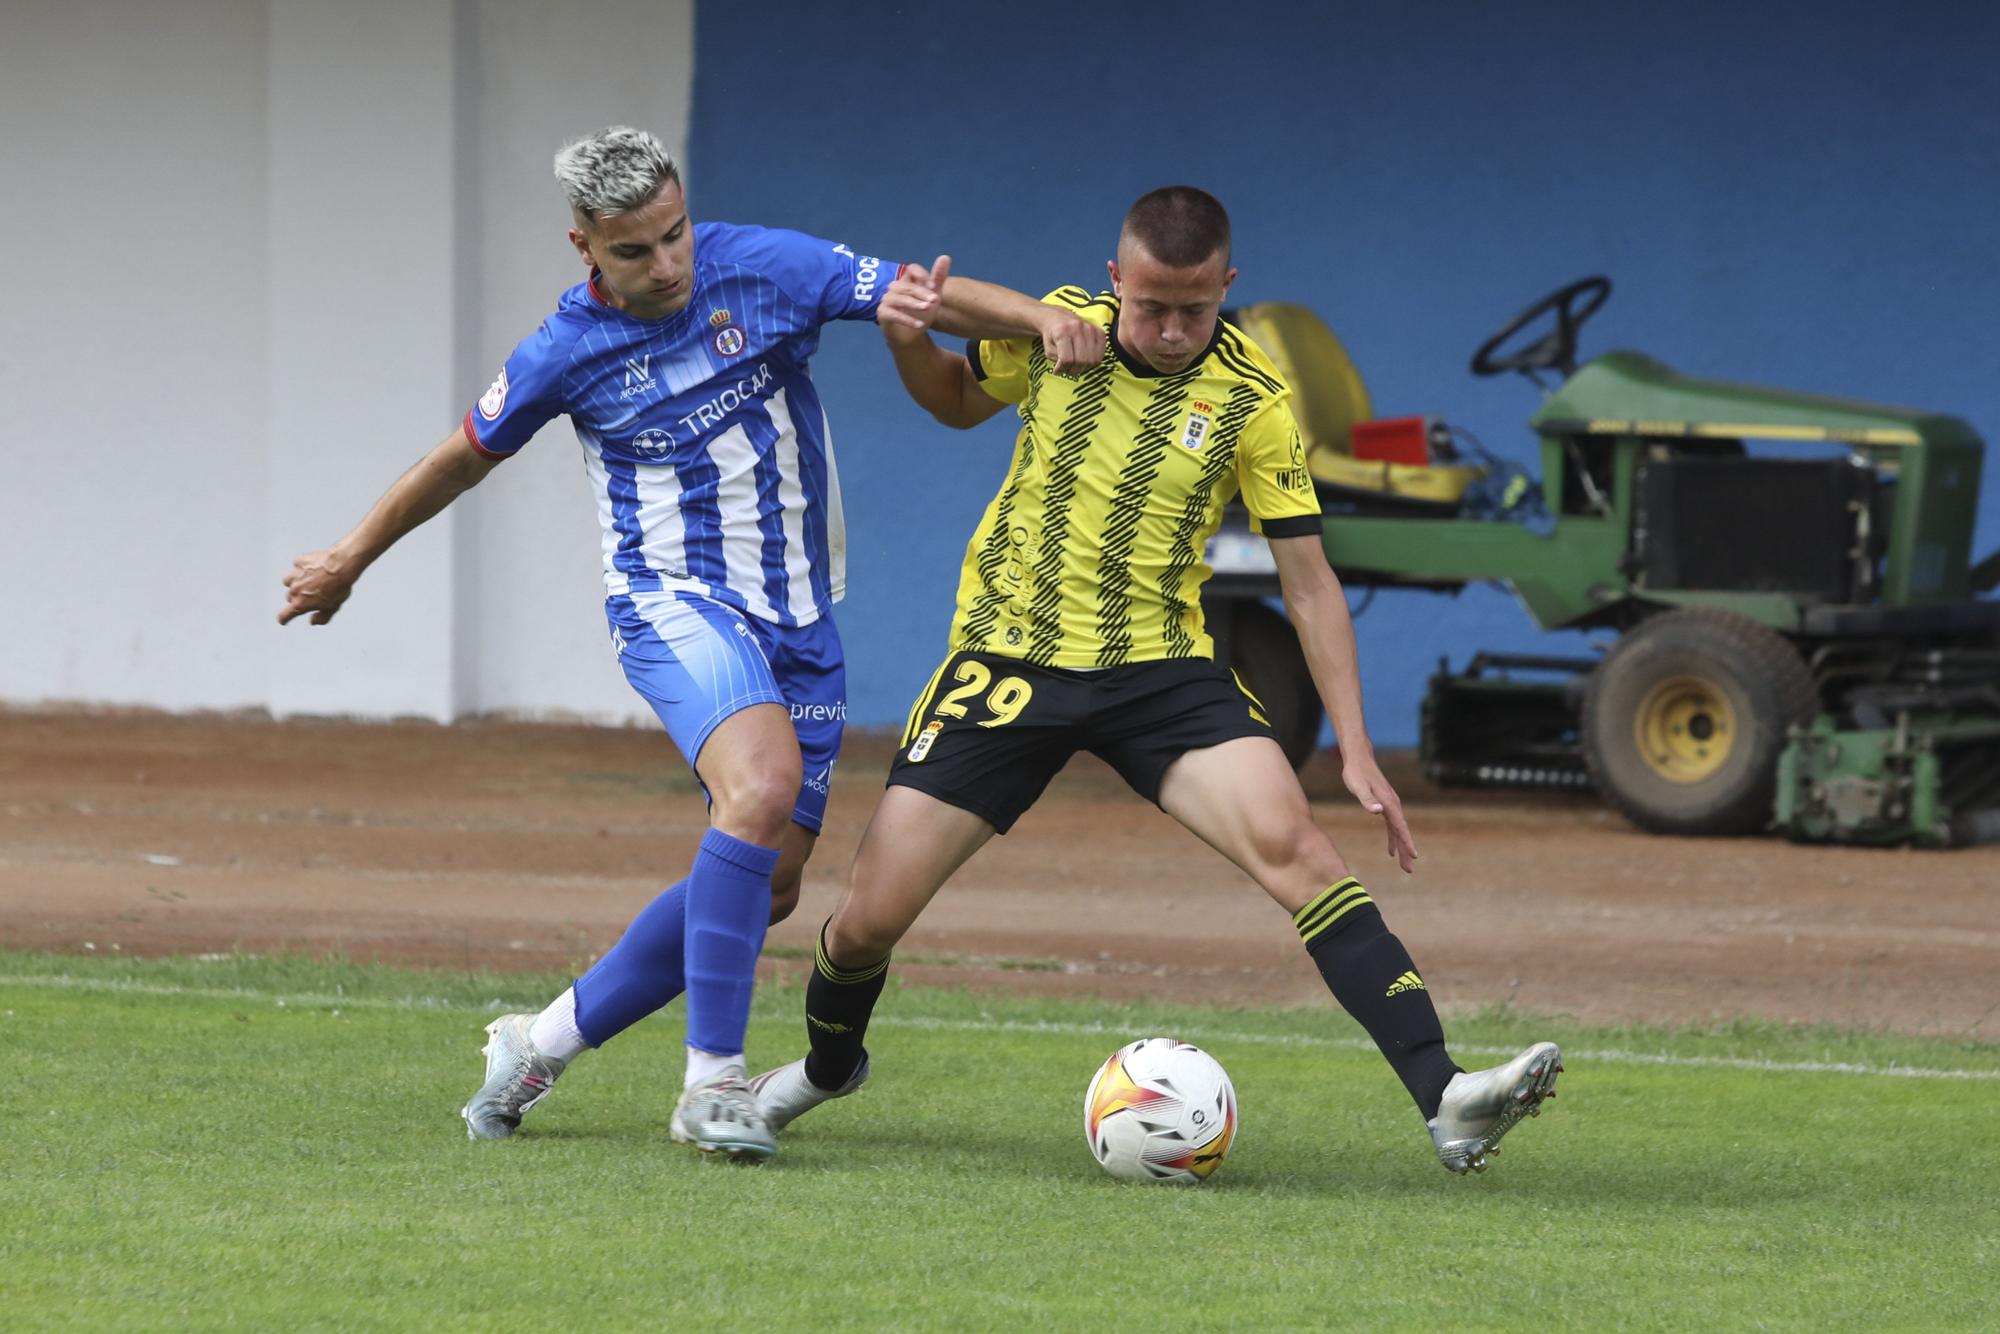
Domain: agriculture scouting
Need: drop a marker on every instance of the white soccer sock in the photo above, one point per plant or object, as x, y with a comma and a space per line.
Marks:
707, 1065
554, 1031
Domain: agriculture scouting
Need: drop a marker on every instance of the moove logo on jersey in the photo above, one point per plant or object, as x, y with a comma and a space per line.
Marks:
638, 376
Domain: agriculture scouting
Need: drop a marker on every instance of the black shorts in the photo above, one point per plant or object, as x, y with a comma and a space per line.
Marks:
989, 732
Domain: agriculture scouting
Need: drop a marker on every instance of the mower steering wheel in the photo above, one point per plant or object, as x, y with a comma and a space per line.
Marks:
1573, 305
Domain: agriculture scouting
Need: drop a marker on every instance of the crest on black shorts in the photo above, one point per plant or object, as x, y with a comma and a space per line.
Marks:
923, 743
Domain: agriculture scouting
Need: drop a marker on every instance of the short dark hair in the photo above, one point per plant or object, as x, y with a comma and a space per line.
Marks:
1179, 225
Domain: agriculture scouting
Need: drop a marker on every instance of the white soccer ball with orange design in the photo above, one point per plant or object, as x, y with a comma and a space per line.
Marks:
1160, 1110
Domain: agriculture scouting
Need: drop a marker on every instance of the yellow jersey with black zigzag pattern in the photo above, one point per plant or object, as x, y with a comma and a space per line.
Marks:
1091, 554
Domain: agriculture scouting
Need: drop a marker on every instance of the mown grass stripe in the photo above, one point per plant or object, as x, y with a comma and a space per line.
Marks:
1601, 1056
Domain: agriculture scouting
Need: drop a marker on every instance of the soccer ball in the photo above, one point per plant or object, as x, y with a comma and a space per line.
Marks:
1160, 1110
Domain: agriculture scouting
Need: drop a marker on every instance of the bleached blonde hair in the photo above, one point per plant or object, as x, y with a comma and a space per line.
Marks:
614, 171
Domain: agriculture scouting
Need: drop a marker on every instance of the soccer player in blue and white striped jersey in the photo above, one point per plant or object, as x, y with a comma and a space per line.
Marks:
682, 365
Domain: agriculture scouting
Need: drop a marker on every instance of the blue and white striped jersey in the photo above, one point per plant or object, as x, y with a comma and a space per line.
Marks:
702, 434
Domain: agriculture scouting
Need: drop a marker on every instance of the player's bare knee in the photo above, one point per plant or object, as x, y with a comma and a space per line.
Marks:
1280, 839
756, 805
1296, 849
854, 939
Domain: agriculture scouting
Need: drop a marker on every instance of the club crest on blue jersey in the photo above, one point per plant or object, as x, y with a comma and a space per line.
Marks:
728, 338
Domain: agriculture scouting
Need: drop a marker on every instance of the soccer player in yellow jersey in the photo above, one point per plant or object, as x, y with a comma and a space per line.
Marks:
1079, 627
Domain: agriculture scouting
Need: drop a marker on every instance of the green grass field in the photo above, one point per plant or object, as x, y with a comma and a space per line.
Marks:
274, 1145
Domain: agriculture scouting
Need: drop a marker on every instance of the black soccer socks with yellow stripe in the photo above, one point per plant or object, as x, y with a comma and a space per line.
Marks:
838, 1004
1370, 974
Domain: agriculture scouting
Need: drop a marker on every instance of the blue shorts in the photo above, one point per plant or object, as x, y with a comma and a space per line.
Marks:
697, 661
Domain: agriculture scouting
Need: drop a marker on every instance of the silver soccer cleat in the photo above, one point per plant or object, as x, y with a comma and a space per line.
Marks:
786, 1094
1482, 1105
517, 1077
721, 1115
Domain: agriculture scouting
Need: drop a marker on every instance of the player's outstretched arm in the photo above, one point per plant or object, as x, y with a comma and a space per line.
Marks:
968, 308
941, 382
321, 580
975, 309
1317, 606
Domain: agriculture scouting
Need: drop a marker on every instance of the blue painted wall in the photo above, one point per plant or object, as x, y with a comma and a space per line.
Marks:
1797, 194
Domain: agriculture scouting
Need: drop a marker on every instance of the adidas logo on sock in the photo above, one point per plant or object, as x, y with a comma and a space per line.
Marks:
1407, 982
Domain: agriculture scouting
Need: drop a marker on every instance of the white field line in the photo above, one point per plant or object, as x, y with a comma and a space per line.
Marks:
1594, 1055
311, 1000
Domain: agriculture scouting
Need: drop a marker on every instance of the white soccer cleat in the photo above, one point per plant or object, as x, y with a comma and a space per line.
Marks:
721, 1115
1482, 1105
517, 1077
786, 1094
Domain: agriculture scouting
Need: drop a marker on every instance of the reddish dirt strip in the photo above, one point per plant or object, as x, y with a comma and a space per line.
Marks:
529, 846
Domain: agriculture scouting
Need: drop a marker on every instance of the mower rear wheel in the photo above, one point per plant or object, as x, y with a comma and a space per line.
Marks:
1685, 718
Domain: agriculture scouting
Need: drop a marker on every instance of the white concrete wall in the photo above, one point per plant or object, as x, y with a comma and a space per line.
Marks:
133, 408
256, 256
361, 229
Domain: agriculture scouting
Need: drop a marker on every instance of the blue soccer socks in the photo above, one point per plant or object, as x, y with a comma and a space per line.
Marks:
642, 972
702, 936
728, 911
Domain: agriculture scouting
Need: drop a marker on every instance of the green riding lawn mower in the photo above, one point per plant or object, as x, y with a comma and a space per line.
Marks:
1800, 641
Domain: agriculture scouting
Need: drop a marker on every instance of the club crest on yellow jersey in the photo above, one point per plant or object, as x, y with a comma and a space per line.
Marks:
1201, 416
